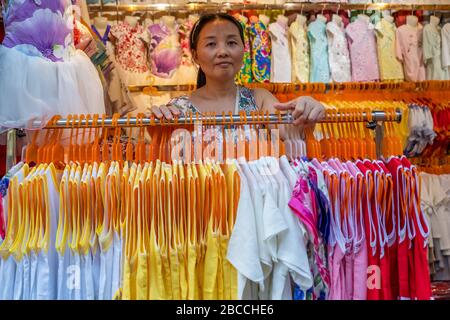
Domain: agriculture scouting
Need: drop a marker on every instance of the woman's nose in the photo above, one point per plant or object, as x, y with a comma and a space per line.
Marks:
222, 51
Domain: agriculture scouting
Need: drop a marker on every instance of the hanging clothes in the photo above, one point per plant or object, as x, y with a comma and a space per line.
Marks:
245, 74
299, 51
281, 60
164, 52
320, 68
363, 52
409, 50
432, 53
339, 57
261, 51
390, 67
445, 37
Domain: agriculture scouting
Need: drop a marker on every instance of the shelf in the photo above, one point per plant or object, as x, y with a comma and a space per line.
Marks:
309, 87
164, 7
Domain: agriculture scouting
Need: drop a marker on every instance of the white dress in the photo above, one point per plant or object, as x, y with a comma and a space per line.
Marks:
41, 73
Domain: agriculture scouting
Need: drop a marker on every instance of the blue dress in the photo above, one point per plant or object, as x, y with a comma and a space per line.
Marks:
320, 68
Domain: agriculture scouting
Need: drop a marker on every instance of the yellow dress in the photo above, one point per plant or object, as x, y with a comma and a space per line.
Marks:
172, 229
390, 67
211, 257
157, 284
182, 232
130, 256
299, 47
163, 231
142, 237
192, 238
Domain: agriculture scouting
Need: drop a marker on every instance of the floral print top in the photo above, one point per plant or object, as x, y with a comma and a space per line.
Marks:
261, 51
338, 54
390, 67
164, 52
300, 52
39, 28
130, 47
184, 32
246, 102
245, 74
363, 50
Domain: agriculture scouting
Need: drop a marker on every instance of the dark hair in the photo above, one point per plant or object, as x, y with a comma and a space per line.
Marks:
195, 32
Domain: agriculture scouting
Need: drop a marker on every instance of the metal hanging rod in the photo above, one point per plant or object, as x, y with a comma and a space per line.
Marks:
208, 120
161, 7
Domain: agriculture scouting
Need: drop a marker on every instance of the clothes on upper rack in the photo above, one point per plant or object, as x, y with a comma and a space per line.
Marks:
370, 41
339, 56
445, 37
299, 50
261, 50
245, 74
363, 54
432, 52
409, 50
281, 61
320, 68
390, 67
56, 78
434, 197
130, 51
164, 49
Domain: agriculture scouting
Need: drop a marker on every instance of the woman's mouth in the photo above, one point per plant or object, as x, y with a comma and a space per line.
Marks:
224, 64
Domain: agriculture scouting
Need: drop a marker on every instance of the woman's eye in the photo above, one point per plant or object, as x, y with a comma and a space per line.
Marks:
232, 43
210, 44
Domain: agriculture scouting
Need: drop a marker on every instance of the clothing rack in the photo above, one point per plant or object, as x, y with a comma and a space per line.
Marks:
374, 121
215, 7
209, 119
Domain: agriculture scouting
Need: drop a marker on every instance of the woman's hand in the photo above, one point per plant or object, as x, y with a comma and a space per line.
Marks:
305, 110
165, 111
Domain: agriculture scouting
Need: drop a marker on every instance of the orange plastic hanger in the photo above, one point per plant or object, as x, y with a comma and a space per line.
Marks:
32, 148
141, 146
105, 146
71, 148
57, 151
129, 147
95, 147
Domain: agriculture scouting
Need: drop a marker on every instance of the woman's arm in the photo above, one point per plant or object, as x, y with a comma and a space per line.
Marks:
305, 110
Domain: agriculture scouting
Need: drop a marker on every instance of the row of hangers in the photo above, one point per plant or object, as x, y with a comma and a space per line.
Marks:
343, 131
288, 88
351, 139
285, 88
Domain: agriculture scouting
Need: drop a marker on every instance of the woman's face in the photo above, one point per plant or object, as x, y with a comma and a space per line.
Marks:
219, 50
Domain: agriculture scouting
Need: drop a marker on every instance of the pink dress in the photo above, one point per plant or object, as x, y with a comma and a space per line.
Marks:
408, 47
363, 51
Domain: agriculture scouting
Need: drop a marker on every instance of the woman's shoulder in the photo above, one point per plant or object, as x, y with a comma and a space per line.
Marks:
264, 99
261, 95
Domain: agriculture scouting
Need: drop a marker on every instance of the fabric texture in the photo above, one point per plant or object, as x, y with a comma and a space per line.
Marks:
320, 69
299, 52
409, 51
390, 67
363, 51
339, 56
